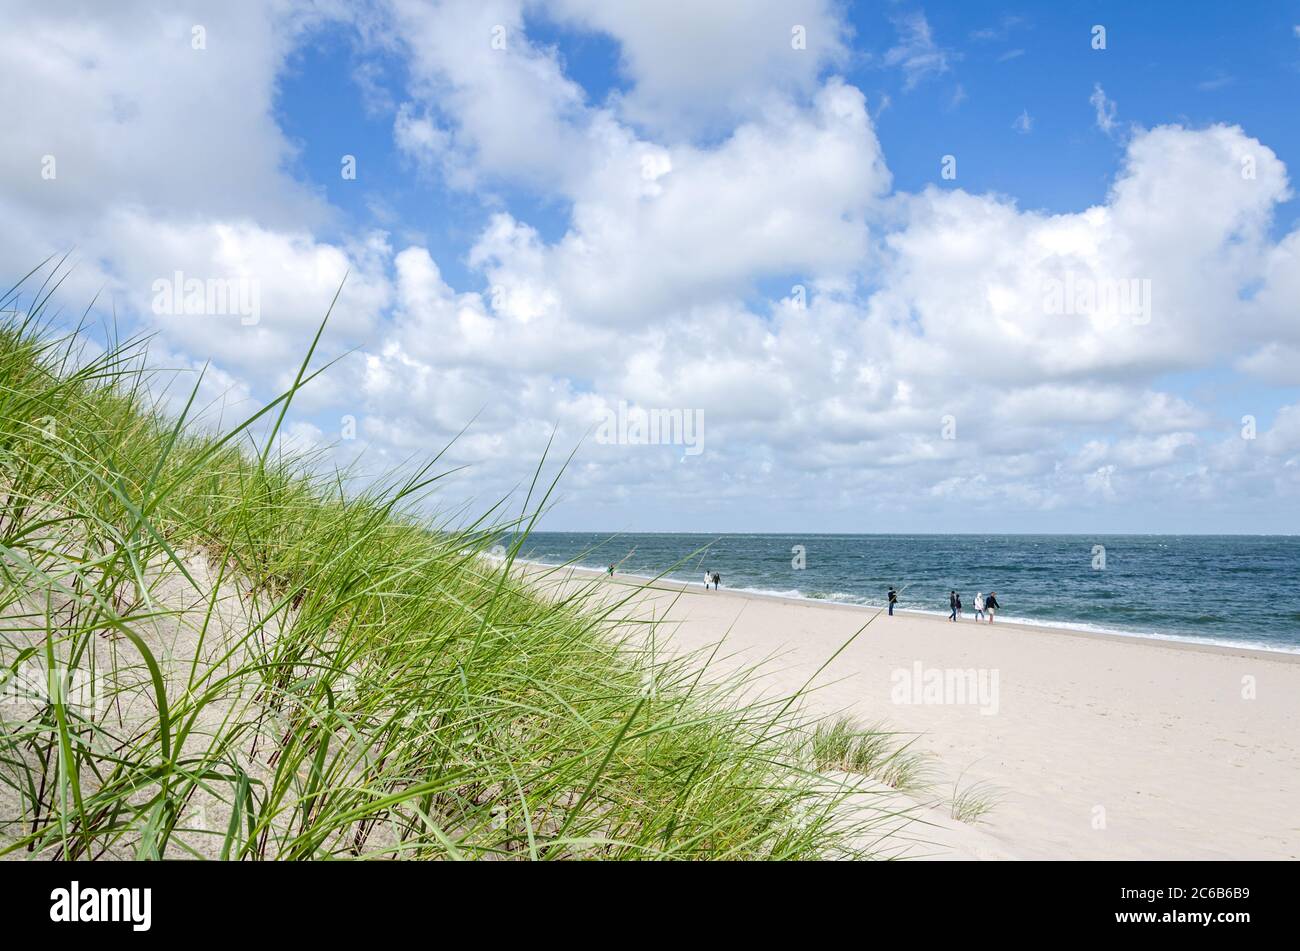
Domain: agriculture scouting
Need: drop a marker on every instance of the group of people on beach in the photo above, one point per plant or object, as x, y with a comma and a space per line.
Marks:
710, 577
984, 606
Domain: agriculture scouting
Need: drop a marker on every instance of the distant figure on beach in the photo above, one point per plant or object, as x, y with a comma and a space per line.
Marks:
707, 578
979, 605
893, 599
954, 603
717, 579
610, 571
991, 604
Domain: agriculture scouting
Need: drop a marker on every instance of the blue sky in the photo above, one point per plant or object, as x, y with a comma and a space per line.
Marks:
614, 208
1213, 62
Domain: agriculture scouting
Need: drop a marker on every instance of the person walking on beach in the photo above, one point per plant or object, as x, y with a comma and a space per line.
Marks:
707, 579
717, 579
610, 571
893, 599
979, 605
953, 602
991, 605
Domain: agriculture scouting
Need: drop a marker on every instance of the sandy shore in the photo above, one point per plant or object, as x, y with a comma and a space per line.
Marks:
1101, 747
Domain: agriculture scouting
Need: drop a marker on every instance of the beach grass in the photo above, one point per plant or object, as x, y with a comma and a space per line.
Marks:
211, 648
971, 803
839, 743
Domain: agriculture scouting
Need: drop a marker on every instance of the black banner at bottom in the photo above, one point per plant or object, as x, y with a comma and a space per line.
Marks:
146, 901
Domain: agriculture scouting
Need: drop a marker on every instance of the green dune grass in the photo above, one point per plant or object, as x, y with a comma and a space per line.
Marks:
246, 657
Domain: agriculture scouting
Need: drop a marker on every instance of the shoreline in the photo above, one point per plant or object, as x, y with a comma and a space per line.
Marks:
1175, 642
1092, 746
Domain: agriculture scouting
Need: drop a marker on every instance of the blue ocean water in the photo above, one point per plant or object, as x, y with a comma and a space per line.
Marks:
1236, 590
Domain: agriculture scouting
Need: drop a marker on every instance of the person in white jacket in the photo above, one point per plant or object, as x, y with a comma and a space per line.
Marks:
979, 605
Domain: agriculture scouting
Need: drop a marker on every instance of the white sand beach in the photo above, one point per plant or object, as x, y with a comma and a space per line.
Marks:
1101, 747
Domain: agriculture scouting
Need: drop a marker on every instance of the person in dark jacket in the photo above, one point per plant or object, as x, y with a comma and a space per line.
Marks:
991, 605
893, 599
953, 603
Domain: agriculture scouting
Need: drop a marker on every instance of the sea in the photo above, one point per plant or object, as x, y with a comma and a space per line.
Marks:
1231, 590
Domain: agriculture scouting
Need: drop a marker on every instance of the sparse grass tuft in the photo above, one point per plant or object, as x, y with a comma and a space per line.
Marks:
839, 744
974, 802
